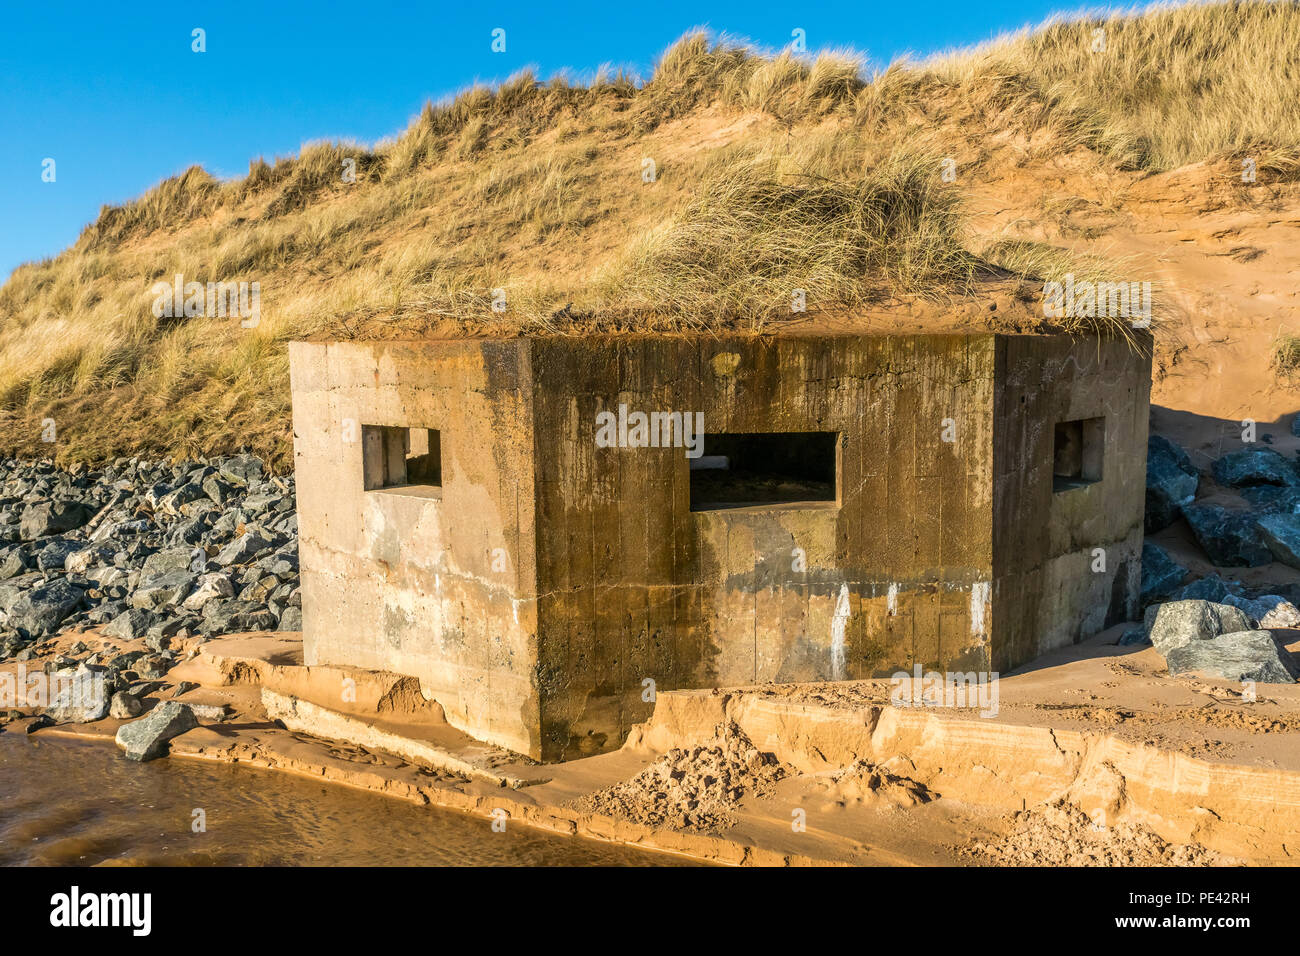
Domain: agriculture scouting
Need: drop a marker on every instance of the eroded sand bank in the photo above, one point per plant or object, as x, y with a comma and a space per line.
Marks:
1094, 755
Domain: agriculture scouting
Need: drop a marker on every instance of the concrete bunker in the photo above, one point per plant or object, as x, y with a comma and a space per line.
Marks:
547, 531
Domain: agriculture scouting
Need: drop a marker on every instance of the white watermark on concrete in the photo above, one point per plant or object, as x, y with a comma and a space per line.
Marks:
651, 430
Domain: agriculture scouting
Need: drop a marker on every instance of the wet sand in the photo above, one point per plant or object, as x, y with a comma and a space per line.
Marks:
78, 803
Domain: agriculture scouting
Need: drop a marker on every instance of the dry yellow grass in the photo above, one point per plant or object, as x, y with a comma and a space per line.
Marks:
1286, 355
771, 173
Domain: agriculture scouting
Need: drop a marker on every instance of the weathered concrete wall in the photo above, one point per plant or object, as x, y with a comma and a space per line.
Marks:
552, 582
441, 588
635, 586
1050, 588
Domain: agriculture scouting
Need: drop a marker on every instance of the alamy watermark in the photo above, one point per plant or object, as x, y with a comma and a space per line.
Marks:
973, 689
41, 689
1084, 299
213, 300
74, 908
651, 430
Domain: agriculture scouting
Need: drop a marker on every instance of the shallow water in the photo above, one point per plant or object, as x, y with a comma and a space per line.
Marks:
68, 802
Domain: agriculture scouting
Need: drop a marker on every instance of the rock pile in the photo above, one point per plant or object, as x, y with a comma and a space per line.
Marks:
1267, 526
1222, 640
145, 549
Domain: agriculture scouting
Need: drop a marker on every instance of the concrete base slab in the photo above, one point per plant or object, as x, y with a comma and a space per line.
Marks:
454, 752
371, 709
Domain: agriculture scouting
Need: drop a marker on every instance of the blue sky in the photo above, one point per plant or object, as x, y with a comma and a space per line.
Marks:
113, 93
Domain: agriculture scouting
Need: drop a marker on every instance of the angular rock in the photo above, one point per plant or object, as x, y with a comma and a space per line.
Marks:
52, 517
81, 698
131, 625
1230, 539
153, 666
284, 567
147, 738
240, 469
291, 619
259, 591
124, 706
83, 559
242, 549
1181, 622
107, 577
1267, 612
55, 553
1171, 483
210, 587
125, 660
1255, 466
1241, 656
1281, 535
217, 490
162, 562
167, 590
159, 636
227, 616
40, 611
1210, 588
14, 588
172, 502
260, 504
118, 530
1134, 637
1161, 575
202, 508
1268, 499
188, 532
12, 563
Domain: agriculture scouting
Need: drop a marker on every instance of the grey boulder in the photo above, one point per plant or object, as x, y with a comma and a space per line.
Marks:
131, 624
54, 554
1281, 535
1240, 656
242, 549
83, 698
1178, 623
1255, 466
164, 562
1161, 575
1267, 612
147, 738
1228, 538
52, 517
225, 616
291, 619
1171, 483
1209, 588
124, 706
165, 590
40, 611
13, 562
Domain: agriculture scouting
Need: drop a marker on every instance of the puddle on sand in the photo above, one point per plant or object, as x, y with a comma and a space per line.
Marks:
67, 802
